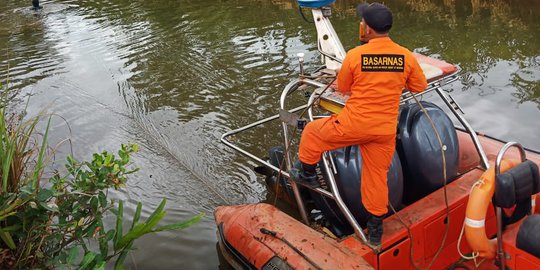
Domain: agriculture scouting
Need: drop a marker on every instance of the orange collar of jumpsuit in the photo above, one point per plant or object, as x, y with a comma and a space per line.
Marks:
376, 85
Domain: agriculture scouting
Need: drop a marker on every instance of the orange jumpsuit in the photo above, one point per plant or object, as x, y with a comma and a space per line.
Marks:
375, 75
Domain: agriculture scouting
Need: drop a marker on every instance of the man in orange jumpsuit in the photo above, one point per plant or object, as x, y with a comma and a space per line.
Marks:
375, 74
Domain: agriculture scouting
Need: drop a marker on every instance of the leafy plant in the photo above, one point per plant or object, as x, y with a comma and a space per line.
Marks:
47, 223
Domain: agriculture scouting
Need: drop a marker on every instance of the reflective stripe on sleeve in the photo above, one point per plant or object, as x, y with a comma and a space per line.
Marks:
475, 223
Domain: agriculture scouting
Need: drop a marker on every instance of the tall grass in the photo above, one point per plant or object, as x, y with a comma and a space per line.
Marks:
20, 155
21, 163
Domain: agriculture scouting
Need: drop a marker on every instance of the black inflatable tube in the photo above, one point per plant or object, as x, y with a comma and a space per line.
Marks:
528, 237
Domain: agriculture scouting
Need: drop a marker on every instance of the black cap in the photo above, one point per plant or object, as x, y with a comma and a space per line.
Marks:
376, 15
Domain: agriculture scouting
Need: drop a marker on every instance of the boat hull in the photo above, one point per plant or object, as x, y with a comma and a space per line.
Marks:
239, 232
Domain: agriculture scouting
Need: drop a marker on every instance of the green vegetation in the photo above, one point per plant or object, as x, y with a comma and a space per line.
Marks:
58, 222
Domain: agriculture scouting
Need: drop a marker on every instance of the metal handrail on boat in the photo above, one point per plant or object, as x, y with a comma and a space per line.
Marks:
498, 210
334, 194
224, 140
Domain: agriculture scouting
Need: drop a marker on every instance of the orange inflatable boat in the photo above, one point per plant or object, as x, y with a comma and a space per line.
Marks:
466, 201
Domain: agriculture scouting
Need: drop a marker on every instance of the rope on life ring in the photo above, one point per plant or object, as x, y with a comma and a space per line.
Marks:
475, 216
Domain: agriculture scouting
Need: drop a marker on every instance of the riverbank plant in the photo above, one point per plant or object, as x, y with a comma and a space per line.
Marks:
58, 221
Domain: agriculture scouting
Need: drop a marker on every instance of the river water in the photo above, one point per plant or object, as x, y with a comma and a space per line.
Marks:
173, 76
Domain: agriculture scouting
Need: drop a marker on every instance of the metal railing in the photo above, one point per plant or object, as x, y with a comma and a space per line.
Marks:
498, 210
326, 159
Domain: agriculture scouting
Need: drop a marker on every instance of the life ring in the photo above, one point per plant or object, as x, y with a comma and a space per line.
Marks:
475, 215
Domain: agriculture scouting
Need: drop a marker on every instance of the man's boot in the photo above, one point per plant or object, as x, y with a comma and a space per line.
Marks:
375, 232
306, 175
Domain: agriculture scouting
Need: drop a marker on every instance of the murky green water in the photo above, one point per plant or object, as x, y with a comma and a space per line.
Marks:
173, 76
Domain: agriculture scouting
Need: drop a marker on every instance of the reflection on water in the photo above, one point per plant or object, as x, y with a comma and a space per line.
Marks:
175, 75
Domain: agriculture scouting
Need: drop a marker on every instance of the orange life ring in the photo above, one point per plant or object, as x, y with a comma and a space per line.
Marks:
475, 216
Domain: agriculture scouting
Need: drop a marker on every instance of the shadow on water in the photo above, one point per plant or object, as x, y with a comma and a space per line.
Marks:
173, 76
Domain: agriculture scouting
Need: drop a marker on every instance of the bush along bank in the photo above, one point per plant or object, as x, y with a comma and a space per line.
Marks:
57, 222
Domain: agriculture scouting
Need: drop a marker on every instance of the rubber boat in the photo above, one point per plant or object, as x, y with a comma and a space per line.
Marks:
458, 199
